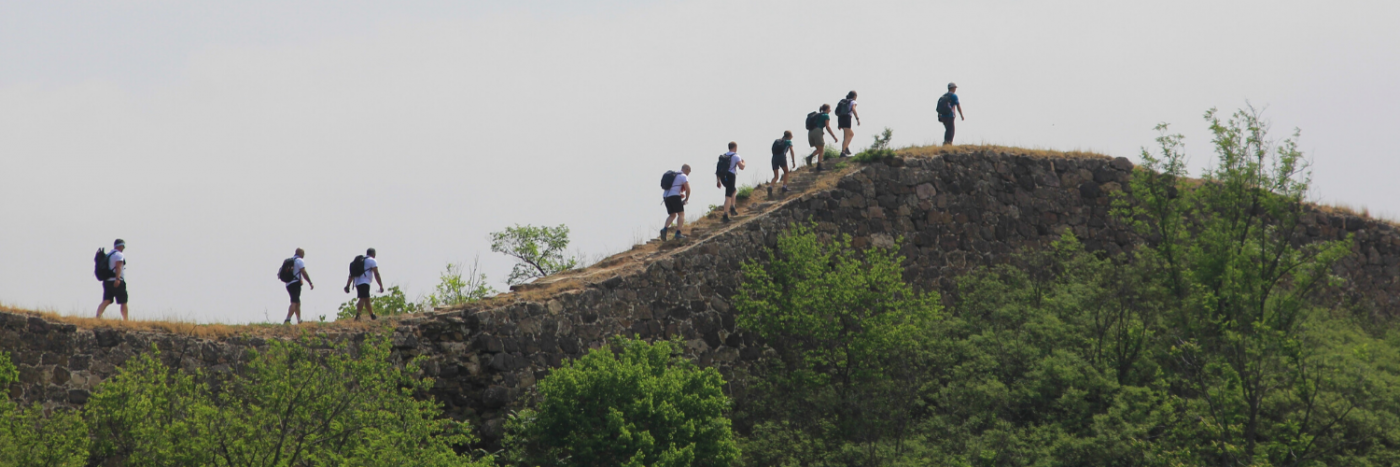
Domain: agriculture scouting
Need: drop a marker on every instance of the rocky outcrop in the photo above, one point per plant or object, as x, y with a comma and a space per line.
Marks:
948, 214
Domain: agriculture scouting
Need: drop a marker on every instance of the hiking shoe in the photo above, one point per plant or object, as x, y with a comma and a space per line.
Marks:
808, 159
819, 167
770, 190
785, 189
732, 211
373, 317
287, 321
678, 235
663, 233
725, 218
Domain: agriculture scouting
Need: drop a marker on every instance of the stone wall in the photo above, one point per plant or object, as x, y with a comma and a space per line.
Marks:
954, 212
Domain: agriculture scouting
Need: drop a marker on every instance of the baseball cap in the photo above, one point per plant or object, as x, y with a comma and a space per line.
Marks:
952, 85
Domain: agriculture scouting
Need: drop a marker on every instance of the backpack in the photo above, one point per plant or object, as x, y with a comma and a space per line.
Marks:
357, 267
100, 265
945, 105
722, 167
284, 273
843, 108
812, 121
779, 148
668, 179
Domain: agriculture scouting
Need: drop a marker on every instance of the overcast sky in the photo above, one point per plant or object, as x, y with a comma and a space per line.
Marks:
216, 137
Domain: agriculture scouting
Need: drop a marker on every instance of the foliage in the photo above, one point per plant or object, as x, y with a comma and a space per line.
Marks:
879, 149
304, 402
848, 332
455, 289
743, 193
29, 437
538, 251
634, 404
393, 303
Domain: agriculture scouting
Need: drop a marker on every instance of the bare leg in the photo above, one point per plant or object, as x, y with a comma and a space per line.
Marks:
359, 307
123, 312
101, 307
785, 176
291, 309
846, 143
680, 221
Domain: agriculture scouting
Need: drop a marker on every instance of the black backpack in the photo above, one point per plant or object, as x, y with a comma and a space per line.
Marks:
284, 273
100, 265
843, 108
357, 267
812, 121
945, 104
668, 179
722, 167
779, 147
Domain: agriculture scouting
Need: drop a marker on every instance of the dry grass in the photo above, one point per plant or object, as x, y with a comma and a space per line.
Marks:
934, 151
203, 331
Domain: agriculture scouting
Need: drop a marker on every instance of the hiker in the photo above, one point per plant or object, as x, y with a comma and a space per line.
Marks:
368, 271
726, 171
946, 104
782, 148
844, 110
816, 121
112, 271
678, 183
296, 271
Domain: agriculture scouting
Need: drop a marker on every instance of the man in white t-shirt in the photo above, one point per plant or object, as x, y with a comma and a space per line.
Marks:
114, 287
294, 287
726, 179
362, 282
675, 198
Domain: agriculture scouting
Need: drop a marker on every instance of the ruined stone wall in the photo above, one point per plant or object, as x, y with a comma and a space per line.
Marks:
953, 212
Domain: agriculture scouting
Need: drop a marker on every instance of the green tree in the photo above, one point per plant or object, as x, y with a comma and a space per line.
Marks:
631, 404
301, 402
538, 251
848, 334
29, 437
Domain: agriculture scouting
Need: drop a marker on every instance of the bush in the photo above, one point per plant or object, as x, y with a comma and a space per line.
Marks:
633, 404
29, 437
392, 303
743, 193
538, 251
456, 286
879, 150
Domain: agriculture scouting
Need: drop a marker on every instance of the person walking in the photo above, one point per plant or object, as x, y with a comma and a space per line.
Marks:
816, 122
114, 285
727, 177
676, 195
844, 111
298, 274
782, 148
368, 269
946, 105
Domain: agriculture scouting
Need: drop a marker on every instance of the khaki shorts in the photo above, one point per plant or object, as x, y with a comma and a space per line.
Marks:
816, 138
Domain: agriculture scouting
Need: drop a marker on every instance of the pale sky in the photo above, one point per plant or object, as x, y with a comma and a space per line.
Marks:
215, 138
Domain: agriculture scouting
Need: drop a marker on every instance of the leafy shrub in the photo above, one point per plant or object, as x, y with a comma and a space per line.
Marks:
392, 303
29, 437
879, 150
456, 286
633, 404
743, 193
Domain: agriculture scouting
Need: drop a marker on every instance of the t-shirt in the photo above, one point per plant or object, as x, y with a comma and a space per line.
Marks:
734, 160
113, 259
676, 185
783, 146
822, 119
297, 266
952, 102
852, 110
368, 276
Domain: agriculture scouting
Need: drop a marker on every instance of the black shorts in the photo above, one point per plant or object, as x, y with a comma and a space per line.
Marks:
779, 161
362, 290
728, 180
294, 289
117, 294
674, 204
843, 121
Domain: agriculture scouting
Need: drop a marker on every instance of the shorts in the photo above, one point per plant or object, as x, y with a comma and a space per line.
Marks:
362, 290
779, 161
728, 180
110, 293
674, 204
843, 121
294, 289
815, 138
